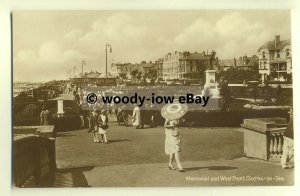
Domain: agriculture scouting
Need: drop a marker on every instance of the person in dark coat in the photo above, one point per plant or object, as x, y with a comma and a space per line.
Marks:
154, 114
94, 125
143, 115
45, 116
42, 116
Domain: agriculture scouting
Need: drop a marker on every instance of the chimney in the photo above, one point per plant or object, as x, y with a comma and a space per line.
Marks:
277, 40
185, 53
234, 62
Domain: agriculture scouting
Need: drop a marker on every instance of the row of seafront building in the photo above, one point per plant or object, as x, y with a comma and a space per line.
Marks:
274, 59
173, 66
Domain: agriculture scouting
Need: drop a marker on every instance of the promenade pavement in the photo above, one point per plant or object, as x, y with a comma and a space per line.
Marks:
135, 157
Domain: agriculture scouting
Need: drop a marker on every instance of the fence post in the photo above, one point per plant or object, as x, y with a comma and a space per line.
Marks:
37, 160
52, 154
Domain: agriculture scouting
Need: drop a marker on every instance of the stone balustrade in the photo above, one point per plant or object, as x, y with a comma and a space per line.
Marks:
43, 131
263, 138
275, 143
34, 160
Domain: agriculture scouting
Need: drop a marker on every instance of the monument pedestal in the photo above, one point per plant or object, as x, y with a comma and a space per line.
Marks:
210, 79
211, 90
210, 83
60, 107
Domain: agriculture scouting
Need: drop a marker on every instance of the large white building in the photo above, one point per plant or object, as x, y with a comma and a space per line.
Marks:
275, 60
178, 64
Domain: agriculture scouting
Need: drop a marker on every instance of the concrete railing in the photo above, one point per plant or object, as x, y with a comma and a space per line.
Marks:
263, 138
33, 158
43, 131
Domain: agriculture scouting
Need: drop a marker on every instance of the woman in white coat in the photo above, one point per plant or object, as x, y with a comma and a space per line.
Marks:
136, 117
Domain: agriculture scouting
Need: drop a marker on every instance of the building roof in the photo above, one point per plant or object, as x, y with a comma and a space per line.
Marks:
122, 64
239, 62
103, 75
94, 75
78, 76
137, 65
196, 56
278, 60
230, 63
225, 63
270, 45
146, 65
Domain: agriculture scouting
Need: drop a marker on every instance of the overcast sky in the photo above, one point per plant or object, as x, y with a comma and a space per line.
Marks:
48, 44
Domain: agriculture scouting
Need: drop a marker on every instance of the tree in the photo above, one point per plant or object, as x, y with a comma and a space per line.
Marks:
235, 75
139, 75
133, 73
123, 76
279, 94
193, 75
151, 74
253, 62
226, 94
30, 110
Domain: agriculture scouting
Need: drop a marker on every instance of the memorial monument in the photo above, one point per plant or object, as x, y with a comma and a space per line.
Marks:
60, 107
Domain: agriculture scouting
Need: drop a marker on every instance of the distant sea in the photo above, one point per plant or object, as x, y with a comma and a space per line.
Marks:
19, 87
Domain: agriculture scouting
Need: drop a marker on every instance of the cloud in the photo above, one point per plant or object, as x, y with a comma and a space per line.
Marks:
74, 34
135, 37
50, 52
70, 55
25, 56
231, 36
48, 63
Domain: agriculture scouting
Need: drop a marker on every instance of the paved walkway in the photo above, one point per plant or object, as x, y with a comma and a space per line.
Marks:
136, 158
198, 173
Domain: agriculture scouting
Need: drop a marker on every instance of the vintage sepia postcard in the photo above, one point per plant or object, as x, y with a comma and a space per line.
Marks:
152, 98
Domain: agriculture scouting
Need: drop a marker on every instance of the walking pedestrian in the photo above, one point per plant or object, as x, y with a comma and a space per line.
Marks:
136, 117
172, 142
45, 116
143, 115
103, 126
153, 116
172, 113
42, 116
94, 125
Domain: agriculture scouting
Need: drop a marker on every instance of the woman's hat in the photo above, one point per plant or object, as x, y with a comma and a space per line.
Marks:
174, 110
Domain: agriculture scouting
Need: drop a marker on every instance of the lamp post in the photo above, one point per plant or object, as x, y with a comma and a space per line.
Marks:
74, 69
110, 50
82, 63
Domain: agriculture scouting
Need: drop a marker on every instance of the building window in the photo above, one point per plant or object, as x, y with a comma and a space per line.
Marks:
287, 52
260, 65
282, 67
278, 54
265, 67
264, 54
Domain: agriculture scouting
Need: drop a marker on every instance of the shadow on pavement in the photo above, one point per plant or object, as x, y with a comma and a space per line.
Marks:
77, 178
211, 168
64, 135
119, 140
